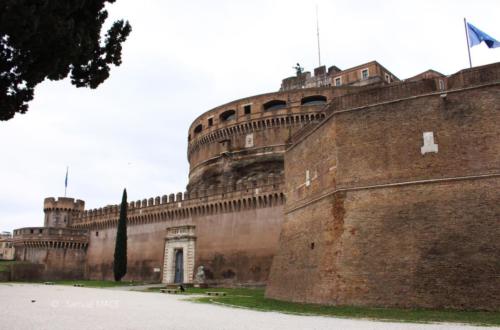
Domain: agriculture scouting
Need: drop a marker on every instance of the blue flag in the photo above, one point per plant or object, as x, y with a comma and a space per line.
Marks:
477, 36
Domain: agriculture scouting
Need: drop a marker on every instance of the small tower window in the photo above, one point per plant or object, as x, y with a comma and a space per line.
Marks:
274, 105
198, 128
247, 109
228, 115
313, 100
210, 121
364, 74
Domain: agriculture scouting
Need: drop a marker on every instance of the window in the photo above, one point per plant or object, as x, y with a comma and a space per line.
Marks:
364, 74
387, 78
313, 100
198, 128
96, 233
228, 115
274, 105
247, 109
210, 121
338, 81
441, 85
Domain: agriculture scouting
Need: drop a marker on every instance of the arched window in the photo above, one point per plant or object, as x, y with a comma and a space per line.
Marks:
228, 115
313, 100
198, 128
274, 105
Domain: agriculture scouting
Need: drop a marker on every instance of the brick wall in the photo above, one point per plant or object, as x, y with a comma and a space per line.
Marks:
361, 231
234, 247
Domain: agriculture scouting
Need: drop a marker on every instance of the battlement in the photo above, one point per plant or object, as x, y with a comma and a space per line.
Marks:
63, 203
260, 189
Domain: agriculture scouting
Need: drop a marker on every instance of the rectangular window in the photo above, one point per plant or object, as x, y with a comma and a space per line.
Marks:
247, 109
441, 85
387, 78
338, 81
364, 74
210, 122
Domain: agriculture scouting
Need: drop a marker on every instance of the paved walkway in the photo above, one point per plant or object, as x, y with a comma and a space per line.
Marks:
34, 306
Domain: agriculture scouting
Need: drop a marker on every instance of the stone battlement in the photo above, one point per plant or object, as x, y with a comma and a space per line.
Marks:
252, 194
63, 203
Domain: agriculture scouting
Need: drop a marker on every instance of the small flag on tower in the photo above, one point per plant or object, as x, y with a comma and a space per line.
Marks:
66, 181
477, 36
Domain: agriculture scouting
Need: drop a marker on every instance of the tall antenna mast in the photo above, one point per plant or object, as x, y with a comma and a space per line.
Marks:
317, 33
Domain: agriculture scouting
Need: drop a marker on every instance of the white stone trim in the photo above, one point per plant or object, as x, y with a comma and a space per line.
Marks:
179, 238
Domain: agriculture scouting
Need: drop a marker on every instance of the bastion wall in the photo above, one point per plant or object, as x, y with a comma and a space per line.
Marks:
60, 251
376, 216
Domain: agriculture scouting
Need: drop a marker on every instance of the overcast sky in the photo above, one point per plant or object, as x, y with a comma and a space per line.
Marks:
186, 57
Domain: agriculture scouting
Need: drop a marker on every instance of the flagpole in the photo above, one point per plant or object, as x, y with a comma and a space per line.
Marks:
467, 37
317, 33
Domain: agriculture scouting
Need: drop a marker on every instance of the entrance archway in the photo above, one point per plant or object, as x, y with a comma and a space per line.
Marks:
178, 263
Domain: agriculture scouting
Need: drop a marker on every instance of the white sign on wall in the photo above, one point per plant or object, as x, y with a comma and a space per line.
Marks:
249, 140
429, 145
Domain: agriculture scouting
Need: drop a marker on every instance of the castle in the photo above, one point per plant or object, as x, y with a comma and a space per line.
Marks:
344, 187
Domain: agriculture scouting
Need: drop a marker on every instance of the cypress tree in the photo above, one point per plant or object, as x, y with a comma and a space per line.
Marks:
120, 258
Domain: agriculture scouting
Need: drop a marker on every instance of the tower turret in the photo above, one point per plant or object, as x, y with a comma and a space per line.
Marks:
61, 212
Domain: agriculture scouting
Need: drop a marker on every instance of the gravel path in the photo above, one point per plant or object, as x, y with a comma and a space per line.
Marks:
66, 307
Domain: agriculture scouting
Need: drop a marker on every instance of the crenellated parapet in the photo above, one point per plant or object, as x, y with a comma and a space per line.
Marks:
61, 212
64, 204
241, 196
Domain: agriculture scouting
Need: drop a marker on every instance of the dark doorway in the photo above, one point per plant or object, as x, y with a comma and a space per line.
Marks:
179, 267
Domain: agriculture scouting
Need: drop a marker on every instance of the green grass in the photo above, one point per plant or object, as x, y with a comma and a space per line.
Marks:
255, 299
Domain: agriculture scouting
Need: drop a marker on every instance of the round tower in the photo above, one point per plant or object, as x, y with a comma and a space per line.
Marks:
61, 212
245, 140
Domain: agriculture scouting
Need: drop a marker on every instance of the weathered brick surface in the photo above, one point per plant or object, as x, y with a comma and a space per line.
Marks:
51, 264
234, 247
427, 244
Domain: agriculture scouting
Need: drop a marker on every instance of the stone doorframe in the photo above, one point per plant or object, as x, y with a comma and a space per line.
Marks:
179, 238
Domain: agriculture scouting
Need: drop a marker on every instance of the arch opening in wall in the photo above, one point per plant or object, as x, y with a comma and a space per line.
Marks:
228, 115
313, 100
198, 129
274, 105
